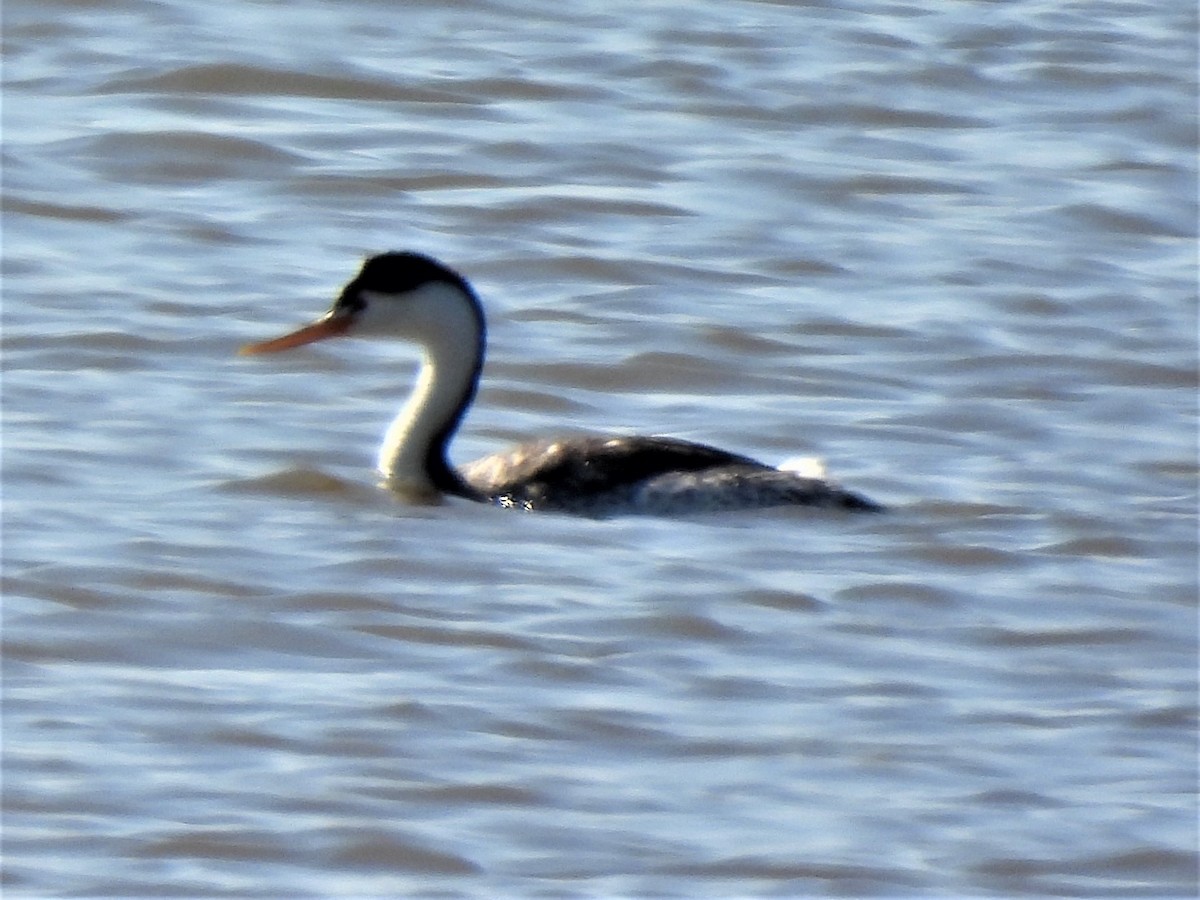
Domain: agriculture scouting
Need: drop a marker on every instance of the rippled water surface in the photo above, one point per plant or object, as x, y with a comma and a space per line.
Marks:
949, 248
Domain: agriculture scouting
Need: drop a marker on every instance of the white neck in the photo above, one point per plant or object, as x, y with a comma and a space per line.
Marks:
404, 454
448, 327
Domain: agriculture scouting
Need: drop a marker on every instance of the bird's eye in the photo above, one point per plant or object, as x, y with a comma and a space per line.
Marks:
350, 301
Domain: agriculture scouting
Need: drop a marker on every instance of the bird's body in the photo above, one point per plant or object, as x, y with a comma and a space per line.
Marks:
668, 476
407, 295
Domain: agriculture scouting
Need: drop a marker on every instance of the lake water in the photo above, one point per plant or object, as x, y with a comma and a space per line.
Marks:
948, 248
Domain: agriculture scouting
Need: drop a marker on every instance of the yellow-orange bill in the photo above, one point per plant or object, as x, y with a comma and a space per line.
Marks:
327, 327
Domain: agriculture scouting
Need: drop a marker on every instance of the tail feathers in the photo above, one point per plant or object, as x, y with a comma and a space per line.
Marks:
813, 468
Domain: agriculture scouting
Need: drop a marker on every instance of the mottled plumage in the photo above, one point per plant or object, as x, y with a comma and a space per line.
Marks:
661, 475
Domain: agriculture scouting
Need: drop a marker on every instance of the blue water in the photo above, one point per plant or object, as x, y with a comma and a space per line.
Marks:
950, 250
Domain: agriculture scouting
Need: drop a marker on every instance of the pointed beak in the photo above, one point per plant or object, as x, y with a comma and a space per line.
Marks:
330, 325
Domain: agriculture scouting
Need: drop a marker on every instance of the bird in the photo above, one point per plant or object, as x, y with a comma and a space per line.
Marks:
414, 297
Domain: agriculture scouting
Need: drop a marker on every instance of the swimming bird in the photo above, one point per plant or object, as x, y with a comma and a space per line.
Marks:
413, 297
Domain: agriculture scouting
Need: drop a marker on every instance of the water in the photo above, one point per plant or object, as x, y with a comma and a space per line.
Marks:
950, 249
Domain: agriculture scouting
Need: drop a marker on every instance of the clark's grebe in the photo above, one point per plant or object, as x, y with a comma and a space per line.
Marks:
410, 296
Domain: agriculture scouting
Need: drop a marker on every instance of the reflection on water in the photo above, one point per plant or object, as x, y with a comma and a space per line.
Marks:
951, 252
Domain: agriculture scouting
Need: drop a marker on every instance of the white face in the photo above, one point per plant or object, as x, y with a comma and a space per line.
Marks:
435, 314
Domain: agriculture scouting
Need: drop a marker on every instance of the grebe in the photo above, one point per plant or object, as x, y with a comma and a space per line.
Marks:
411, 296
